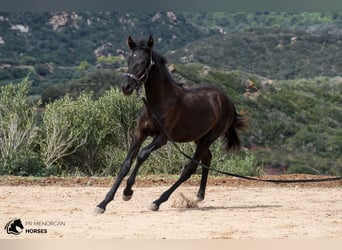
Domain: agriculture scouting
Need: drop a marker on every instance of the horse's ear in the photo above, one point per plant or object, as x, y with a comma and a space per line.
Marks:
130, 43
150, 42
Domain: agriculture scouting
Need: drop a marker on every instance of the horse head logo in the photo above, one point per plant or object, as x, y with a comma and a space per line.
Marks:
14, 227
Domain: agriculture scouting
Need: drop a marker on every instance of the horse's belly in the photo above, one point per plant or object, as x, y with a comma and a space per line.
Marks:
192, 131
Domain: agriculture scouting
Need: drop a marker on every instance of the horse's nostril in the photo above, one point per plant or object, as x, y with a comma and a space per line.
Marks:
126, 86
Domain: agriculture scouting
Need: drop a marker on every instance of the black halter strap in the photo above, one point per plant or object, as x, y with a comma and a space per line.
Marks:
140, 80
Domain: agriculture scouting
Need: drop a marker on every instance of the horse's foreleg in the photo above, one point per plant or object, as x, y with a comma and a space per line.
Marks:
157, 142
126, 165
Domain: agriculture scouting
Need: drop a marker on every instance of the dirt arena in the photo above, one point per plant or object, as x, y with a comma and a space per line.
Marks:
233, 209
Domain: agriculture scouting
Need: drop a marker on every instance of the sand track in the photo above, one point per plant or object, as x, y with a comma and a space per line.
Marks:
228, 212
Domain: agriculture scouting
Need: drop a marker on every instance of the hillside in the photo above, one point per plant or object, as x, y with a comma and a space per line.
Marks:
276, 45
269, 53
50, 45
69, 38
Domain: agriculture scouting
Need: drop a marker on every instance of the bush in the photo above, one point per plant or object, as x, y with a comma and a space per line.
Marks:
51, 93
42, 69
17, 122
24, 162
82, 135
60, 134
242, 163
168, 160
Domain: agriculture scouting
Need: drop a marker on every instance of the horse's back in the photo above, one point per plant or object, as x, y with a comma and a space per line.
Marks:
207, 97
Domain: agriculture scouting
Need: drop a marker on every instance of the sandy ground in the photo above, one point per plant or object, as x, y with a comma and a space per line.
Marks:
228, 212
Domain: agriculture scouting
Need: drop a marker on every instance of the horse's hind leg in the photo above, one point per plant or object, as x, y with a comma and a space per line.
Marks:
206, 160
157, 142
188, 170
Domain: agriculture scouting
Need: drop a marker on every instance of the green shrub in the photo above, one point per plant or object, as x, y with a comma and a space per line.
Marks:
51, 93
242, 163
17, 121
42, 69
24, 162
83, 135
84, 65
168, 160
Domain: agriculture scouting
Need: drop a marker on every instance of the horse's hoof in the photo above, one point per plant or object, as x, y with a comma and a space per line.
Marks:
153, 207
126, 197
99, 210
198, 199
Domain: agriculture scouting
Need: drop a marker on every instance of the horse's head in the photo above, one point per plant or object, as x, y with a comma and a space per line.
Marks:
139, 64
14, 227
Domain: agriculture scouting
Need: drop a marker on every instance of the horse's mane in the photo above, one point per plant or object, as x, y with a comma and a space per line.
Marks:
158, 58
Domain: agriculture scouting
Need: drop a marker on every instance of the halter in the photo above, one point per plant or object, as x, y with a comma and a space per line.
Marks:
139, 80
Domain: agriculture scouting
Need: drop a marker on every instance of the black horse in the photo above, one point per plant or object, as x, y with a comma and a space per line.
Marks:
172, 112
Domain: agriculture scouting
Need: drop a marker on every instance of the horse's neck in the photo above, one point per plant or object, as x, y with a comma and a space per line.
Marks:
158, 87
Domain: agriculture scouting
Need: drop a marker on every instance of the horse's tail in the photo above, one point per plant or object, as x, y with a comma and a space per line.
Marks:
231, 137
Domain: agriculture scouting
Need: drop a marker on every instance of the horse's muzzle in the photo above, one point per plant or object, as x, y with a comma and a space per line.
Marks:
127, 86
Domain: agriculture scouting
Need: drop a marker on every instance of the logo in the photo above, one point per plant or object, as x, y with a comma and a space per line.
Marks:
14, 227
